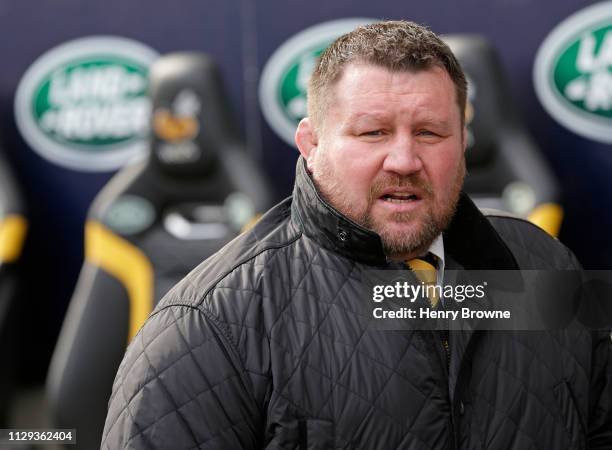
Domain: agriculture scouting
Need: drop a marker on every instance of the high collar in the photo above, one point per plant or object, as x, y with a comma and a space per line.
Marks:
470, 239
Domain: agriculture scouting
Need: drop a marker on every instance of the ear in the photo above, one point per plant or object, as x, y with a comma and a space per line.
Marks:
307, 140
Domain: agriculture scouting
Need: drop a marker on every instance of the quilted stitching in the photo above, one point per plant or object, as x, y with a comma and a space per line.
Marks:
237, 360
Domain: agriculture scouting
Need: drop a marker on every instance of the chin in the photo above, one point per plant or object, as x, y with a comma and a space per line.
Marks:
398, 232
406, 237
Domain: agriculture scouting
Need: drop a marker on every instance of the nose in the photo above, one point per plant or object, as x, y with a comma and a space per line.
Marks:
403, 157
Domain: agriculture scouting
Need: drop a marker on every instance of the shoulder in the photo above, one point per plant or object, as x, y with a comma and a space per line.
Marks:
243, 258
533, 247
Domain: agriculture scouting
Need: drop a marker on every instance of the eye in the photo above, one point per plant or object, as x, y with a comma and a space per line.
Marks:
372, 133
426, 133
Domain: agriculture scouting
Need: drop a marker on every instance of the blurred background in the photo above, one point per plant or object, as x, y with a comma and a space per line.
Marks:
551, 85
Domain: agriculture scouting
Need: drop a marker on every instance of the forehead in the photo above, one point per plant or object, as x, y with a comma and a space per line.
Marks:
374, 90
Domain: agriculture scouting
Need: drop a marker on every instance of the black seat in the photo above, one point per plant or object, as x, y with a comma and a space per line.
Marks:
153, 223
13, 228
506, 170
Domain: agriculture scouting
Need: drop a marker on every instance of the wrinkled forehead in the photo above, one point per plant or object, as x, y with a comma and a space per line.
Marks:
367, 89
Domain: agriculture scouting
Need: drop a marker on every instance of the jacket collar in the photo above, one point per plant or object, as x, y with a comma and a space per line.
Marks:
470, 239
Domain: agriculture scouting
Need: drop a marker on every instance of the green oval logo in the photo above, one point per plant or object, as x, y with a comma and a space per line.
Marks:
583, 72
129, 214
573, 72
284, 79
83, 105
294, 84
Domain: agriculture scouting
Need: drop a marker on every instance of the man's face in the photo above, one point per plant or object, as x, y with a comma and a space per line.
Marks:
390, 154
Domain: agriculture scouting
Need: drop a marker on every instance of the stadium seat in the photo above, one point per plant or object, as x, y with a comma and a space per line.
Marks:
506, 170
13, 228
154, 222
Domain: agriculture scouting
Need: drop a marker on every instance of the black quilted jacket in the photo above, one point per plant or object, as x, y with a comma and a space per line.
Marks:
262, 346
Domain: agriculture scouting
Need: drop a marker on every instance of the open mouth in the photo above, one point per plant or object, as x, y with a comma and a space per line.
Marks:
400, 197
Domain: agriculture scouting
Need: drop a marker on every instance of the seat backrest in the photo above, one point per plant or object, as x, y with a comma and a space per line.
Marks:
155, 221
506, 169
13, 228
13, 224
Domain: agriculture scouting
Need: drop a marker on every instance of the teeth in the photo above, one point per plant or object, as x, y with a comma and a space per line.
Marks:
401, 195
403, 199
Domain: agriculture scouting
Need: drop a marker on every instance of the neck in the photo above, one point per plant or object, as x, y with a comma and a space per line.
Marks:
406, 256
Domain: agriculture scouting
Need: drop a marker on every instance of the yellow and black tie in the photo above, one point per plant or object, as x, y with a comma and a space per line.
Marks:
424, 268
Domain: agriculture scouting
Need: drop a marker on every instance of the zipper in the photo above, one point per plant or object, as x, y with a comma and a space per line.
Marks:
442, 337
445, 336
446, 345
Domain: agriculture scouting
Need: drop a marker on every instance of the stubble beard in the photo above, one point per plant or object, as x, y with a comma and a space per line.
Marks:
395, 243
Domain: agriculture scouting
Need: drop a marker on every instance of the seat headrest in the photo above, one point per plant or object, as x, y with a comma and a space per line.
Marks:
11, 201
191, 118
490, 107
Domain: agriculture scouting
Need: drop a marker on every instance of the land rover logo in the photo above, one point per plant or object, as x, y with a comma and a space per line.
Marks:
573, 72
83, 104
129, 214
282, 89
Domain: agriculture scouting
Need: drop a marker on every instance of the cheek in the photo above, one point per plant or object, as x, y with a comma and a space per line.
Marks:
355, 179
443, 173
357, 167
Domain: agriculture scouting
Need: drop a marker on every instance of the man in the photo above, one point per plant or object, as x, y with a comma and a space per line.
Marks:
264, 345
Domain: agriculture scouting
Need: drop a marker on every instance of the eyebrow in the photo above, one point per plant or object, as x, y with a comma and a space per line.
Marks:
434, 122
382, 117
360, 116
